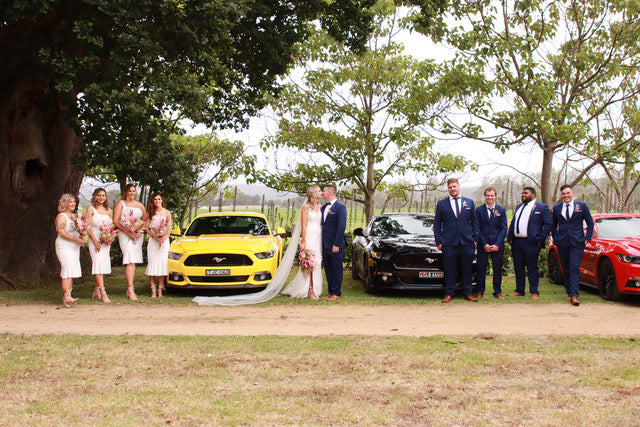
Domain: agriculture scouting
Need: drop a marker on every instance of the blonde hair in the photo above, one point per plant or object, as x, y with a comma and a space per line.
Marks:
64, 201
311, 191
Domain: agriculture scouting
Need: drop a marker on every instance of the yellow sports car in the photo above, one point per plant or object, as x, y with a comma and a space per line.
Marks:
225, 250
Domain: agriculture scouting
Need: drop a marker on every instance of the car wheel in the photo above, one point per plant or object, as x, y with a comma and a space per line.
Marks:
607, 284
354, 262
368, 285
553, 268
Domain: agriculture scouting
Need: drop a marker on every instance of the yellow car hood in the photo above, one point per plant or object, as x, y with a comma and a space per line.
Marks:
224, 243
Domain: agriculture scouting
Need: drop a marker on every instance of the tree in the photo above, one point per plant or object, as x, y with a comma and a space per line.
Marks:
78, 74
350, 117
542, 72
213, 162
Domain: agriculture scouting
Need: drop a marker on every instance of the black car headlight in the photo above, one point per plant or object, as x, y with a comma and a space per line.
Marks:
266, 254
629, 258
174, 255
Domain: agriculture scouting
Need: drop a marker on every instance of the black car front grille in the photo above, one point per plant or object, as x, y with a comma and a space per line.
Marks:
218, 260
218, 279
419, 260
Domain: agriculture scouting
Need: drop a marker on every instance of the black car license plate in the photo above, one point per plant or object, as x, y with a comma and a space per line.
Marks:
223, 272
431, 274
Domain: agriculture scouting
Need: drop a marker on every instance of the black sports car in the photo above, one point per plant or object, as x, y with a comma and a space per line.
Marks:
398, 251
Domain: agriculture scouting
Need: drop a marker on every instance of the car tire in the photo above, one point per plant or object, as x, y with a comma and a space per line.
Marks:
553, 268
607, 283
368, 285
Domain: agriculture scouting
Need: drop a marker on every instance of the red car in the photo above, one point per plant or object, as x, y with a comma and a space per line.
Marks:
611, 261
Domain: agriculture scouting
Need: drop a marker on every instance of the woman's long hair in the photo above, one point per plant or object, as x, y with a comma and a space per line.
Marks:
94, 203
151, 208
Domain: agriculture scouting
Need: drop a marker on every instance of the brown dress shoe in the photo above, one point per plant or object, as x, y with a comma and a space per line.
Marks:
479, 296
328, 296
470, 298
499, 296
446, 299
535, 296
575, 301
333, 298
516, 294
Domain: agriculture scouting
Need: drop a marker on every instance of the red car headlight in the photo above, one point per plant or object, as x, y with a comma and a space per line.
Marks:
629, 258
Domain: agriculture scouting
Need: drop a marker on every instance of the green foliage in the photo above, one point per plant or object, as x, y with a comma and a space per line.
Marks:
551, 73
356, 118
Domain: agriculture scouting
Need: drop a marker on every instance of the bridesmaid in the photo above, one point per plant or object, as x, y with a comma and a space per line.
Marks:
68, 245
98, 215
158, 246
128, 210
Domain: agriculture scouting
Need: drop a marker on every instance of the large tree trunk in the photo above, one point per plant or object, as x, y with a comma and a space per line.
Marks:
36, 148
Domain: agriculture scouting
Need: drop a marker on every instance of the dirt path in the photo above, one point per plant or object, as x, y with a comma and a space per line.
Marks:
337, 319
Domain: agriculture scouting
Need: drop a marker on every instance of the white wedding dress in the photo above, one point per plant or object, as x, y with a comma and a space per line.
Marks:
278, 281
299, 286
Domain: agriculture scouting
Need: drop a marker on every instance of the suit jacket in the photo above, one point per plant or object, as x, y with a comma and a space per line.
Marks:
450, 230
491, 231
571, 232
539, 226
333, 227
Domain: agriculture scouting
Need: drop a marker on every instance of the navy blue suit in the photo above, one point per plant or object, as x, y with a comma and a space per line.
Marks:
492, 231
569, 237
457, 235
333, 235
525, 251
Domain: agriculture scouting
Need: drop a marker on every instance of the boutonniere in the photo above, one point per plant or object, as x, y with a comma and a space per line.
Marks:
464, 204
577, 209
497, 213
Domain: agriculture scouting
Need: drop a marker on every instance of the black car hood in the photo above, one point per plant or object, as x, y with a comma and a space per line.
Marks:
405, 243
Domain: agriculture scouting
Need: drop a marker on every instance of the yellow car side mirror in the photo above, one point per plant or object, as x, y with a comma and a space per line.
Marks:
176, 232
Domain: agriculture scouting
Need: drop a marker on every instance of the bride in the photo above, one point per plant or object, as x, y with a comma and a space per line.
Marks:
308, 231
309, 283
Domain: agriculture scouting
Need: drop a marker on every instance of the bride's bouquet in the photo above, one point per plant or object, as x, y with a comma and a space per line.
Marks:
308, 260
131, 223
159, 227
108, 232
81, 225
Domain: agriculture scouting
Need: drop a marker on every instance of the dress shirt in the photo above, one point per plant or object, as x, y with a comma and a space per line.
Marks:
521, 231
489, 209
452, 200
327, 209
564, 209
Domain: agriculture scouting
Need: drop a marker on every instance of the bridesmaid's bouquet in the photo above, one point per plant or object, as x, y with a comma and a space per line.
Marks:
307, 258
159, 228
81, 225
108, 232
131, 223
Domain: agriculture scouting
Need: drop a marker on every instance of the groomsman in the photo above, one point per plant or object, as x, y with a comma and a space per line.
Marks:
527, 234
456, 232
570, 239
492, 226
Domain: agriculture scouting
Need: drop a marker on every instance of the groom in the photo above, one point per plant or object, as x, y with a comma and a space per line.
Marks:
334, 221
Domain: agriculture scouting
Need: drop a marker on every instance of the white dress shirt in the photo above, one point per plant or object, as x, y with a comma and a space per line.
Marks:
452, 200
327, 209
521, 230
564, 209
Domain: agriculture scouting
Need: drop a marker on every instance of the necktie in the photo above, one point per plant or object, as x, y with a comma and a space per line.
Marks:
566, 212
492, 215
457, 208
520, 216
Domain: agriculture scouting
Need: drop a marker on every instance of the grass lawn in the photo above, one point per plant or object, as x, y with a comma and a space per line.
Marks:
351, 380
352, 290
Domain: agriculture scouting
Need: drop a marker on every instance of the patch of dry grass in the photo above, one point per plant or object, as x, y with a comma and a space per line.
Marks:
484, 380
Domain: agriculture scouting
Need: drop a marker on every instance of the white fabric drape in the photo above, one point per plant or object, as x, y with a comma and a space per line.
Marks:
273, 288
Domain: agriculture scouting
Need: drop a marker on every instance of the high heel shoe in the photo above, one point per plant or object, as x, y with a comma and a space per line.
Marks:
103, 296
67, 301
153, 291
131, 294
96, 293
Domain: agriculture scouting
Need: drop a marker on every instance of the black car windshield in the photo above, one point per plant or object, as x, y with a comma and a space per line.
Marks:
386, 226
228, 225
617, 228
